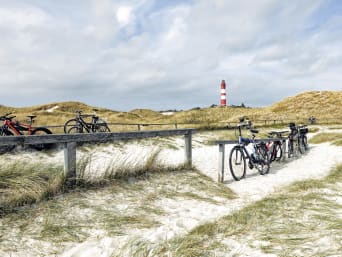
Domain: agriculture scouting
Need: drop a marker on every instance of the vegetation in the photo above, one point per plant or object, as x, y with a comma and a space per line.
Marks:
326, 137
284, 224
123, 206
297, 108
25, 183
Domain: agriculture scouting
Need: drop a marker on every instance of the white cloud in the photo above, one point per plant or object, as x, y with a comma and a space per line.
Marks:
101, 51
124, 15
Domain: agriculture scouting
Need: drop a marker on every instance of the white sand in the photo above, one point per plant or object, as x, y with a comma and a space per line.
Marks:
183, 215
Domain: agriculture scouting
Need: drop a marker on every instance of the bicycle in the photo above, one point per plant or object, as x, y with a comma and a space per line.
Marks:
297, 140
11, 128
79, 125
238, 155
303, 140
275, 148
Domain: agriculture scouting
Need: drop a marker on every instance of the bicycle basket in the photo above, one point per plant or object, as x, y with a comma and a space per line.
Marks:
303, 130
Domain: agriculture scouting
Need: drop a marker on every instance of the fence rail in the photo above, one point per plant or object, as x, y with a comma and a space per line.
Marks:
70, 143
144, 126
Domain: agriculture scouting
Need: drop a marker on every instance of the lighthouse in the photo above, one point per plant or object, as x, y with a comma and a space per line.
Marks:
223, 94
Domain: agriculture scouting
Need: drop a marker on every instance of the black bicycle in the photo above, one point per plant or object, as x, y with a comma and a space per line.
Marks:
275, 148
79, 125
258, 158
303, 140
297, 140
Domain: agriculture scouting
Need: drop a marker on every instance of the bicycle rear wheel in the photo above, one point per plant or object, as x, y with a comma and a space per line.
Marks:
237, 163
101, 126
262, 162
6, 148
41, 131
74, 130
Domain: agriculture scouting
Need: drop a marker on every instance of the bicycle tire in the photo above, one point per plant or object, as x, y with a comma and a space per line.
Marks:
305, 140
262, 163
290, 148
74, 130
6, 148
101, 126
237, 159
301, 146
72, 123
278, 152
41, 131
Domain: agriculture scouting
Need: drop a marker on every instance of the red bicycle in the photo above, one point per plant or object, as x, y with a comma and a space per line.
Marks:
11, 128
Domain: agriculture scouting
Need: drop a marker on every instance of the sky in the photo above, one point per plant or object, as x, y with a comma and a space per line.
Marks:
167, 54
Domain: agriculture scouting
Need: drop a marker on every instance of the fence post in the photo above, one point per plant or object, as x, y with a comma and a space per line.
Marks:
188, 148
70, 163
138, 127
220, 174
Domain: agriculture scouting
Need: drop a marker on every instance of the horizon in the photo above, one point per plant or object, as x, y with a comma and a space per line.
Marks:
160, 55
175, 109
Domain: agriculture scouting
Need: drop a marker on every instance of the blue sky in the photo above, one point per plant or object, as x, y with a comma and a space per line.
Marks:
161, 54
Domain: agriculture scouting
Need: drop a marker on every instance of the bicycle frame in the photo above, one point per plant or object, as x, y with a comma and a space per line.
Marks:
244, 149
89, 127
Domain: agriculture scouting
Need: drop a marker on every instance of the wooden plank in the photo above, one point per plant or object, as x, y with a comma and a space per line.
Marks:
88, 137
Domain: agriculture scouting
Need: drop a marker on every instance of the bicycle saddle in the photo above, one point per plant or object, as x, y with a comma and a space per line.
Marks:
31, 116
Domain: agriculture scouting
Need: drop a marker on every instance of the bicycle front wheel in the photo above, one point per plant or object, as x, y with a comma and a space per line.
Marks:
237, 163
71, 124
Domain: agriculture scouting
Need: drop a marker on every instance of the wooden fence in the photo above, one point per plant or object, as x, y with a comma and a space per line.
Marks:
121, 126
70, 144
222, 143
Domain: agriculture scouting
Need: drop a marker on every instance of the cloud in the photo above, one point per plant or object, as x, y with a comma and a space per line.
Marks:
162, 55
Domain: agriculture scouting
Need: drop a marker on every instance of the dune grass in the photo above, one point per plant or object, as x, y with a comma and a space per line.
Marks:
302, 220
120, 209
25, 183
326, 137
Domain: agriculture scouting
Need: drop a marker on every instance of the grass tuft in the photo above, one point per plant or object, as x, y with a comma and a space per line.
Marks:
26, 183
325, 137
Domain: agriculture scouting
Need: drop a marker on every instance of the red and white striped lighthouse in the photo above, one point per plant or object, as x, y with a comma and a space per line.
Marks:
223, 94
